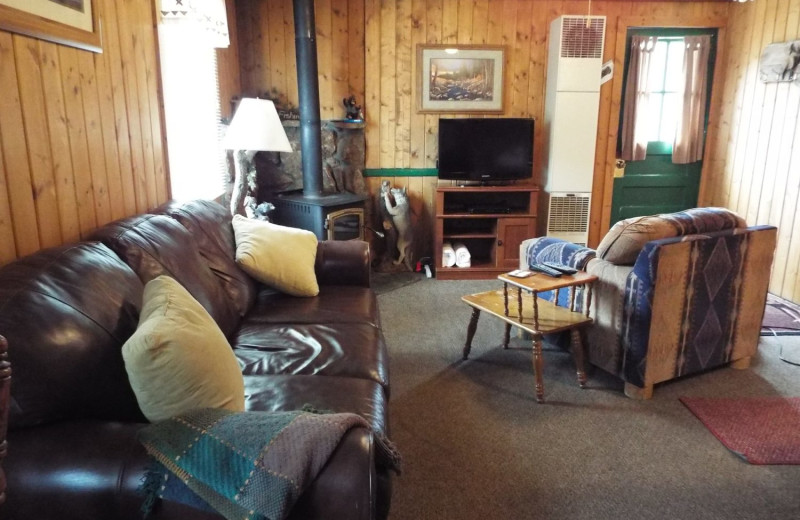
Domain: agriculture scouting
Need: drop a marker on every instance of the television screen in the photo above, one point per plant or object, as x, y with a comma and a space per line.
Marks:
485, 149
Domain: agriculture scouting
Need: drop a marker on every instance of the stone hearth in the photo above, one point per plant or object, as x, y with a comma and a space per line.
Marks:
343, 160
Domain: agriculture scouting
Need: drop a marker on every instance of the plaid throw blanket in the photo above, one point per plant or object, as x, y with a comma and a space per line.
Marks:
250, 465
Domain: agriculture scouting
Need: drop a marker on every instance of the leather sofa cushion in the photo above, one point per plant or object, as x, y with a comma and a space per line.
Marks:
153, 245
280, 393
66, 313
210, 226
334, 304
344, 349
625, 240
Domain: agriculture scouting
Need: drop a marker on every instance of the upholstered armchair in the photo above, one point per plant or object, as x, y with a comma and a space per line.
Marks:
676, 294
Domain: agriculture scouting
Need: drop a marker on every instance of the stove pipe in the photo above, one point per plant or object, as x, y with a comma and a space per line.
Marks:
308, 91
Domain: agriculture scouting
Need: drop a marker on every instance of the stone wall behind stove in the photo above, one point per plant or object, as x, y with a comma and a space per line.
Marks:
343, 161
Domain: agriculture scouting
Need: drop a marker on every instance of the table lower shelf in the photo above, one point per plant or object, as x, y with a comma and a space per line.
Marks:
552, 318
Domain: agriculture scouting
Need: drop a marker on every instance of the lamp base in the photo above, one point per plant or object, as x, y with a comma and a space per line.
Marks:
242, 164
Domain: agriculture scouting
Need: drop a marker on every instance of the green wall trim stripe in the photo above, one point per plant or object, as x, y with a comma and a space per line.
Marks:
401, 172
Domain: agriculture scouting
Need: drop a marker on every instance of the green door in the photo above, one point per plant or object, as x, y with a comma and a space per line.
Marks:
656, 185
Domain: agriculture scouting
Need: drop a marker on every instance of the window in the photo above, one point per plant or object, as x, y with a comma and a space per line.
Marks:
191, 101
665, 83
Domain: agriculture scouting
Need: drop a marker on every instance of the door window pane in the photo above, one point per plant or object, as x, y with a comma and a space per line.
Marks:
669, 121
674, 74
665, 82
654, 120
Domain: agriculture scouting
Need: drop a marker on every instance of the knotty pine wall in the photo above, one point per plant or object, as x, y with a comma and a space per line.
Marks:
81, 139
756, 169
368, 48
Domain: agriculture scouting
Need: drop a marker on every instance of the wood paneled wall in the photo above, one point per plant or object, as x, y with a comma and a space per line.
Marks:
228, 67
267, 51
81, 139
756, 160
374, 43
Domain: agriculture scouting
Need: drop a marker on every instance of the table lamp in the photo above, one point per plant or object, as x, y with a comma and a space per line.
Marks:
255, 127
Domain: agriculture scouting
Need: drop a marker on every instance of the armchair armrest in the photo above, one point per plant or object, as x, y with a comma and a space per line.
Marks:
549, 249
5, 398
341, 262
555, 250
695, 302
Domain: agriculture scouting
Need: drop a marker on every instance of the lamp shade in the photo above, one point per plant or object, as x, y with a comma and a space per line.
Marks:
256, 126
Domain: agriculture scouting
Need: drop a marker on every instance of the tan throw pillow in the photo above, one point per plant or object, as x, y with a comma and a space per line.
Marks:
279, 256
625, 240
178, 359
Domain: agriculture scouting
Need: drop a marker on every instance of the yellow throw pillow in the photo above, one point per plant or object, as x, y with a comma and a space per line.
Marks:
279, 256
178, 359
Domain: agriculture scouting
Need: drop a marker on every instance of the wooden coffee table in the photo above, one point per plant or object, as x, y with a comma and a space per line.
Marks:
526, 311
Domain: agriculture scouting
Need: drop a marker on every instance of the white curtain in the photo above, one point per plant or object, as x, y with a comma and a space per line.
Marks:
208, 16
689, 138
637, 99
191, 95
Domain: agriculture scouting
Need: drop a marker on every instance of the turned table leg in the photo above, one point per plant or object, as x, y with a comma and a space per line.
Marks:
578, 356
507, 336
538, 366
471, 328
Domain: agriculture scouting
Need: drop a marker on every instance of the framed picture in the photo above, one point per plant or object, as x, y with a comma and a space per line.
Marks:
460, 78
67, 22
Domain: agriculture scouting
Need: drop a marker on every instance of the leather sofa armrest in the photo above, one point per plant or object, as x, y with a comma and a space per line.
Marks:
345, 488
341, 262
5, 401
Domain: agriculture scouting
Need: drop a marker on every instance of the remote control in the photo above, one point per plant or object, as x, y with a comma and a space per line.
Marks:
519, 273
549, 271
562, 268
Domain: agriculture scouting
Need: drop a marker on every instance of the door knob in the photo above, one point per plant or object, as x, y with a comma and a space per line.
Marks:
499, 242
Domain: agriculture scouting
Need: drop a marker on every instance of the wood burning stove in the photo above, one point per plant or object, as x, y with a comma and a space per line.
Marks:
330, 216
334, 216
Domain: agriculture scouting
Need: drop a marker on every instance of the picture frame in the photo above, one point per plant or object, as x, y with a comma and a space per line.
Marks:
460, 78
67, 22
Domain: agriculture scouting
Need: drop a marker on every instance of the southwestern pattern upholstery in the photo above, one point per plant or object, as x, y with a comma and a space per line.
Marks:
626, 238
689, 303
554, 250
548, 249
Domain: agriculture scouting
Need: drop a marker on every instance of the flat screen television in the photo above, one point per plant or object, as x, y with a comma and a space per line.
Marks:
487, 150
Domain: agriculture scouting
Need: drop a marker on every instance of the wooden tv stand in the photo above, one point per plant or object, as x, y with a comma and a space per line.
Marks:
491, 221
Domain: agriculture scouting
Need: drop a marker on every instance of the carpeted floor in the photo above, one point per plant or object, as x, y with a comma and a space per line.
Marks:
476, 445
388, 282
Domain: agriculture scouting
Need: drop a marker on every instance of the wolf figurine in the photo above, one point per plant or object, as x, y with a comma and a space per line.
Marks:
401, 216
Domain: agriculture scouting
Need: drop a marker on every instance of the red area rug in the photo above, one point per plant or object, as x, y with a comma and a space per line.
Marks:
761, 430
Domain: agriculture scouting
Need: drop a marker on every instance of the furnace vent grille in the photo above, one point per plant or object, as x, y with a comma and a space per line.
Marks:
569, 213
582, 40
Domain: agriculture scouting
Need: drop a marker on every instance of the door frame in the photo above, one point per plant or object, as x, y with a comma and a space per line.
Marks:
603, 185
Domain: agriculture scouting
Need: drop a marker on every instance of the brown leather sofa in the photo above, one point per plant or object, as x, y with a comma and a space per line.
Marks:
72, 416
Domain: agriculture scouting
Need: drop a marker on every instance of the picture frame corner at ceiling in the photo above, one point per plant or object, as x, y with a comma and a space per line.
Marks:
64, 22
